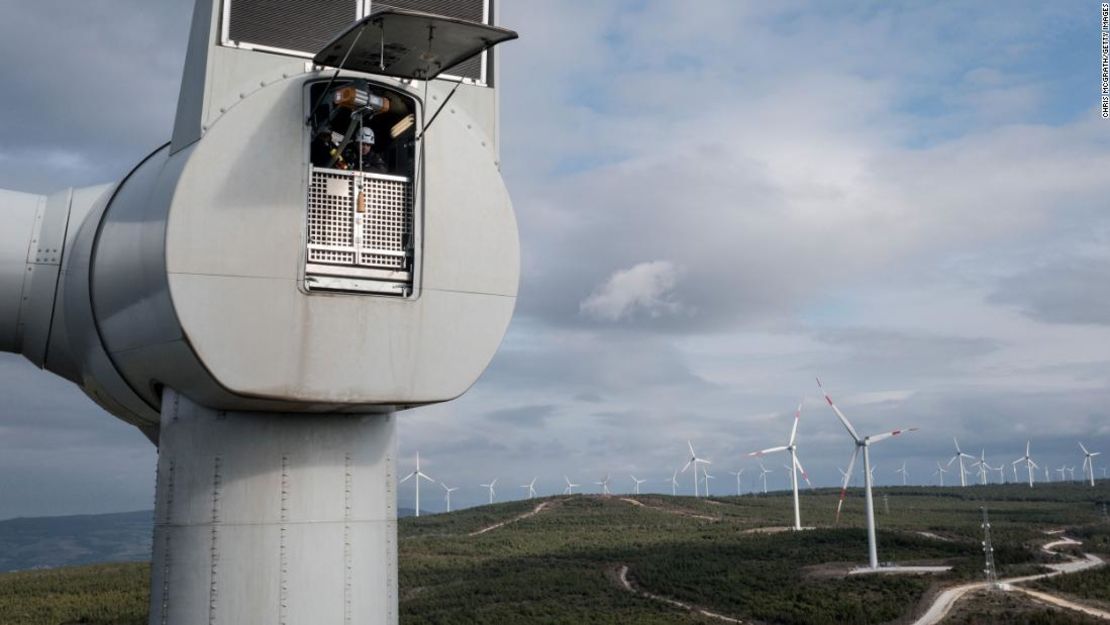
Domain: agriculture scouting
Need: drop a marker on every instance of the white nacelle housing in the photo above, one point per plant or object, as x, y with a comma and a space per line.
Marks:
191, 272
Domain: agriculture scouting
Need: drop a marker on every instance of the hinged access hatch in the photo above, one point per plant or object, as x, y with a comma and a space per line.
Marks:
414, 45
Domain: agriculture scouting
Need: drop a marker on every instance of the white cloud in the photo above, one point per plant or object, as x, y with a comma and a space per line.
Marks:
646, 288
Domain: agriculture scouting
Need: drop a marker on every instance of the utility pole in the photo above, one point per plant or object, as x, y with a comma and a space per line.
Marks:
988, 550
886, 504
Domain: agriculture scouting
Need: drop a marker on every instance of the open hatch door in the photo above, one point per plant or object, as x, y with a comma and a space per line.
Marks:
414, 45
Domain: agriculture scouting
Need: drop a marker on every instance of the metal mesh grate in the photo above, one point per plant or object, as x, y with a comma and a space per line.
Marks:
360, 220
387, 224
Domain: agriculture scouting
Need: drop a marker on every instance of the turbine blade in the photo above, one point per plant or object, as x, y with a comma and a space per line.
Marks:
885, 435
794, 429
798, 463
1084, 449
686, 467
404, 479
847, 478
691, 446
769, 450
840, 415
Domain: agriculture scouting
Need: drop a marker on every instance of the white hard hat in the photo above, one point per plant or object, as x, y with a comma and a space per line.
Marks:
366, 135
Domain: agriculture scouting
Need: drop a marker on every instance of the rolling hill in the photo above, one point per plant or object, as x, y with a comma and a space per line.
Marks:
657, 559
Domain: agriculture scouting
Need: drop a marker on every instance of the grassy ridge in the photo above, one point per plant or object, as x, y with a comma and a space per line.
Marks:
557, 567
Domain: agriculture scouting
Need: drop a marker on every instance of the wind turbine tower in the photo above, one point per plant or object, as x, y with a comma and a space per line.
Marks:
862, 444
263, 308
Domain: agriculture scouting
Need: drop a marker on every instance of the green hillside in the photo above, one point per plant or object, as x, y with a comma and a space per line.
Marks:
564, 564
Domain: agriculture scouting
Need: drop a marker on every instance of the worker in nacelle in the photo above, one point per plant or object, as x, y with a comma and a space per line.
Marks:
362, 157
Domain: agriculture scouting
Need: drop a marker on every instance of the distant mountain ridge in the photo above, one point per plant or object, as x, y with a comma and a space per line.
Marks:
48, 542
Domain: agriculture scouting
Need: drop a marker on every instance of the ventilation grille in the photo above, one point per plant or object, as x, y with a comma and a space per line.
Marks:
470, 10
300, 26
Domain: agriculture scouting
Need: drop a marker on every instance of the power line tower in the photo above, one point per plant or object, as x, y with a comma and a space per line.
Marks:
988, 550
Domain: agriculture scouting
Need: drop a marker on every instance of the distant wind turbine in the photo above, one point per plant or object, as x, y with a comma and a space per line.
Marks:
1029, 464
737, 474
706, 477
490, 487
604, 484
569, 490
674, 483
940, 472
531, 486
795, 465
1062, 470
694, 460
447, 494
638, 482
1089, 462
903, 472
862, 444
418, 475
763, 471
960, 455
981, 463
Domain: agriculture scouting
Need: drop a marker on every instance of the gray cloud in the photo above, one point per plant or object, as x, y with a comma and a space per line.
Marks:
523, 416
1072, 290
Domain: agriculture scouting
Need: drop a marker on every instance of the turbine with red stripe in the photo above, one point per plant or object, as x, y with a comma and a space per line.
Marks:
795, 464
862, 443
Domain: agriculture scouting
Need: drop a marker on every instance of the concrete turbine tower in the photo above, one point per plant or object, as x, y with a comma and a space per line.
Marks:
325, 240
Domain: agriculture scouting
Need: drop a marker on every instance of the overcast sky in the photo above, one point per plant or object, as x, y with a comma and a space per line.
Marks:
718, 201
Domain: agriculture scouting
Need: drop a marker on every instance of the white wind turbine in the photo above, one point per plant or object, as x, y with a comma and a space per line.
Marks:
940, 472
447, 494
903, 472
490, 487
674, 483
706, 477
864, 444
694, 460
792, 469
1001, 468
569, 490
1071, 473
1062, 470
531, 486
1089, 462
1047, 474
981, 463
418, 475
960, 455
638, 482
737, 474
1029, 464
763, 471
604, 484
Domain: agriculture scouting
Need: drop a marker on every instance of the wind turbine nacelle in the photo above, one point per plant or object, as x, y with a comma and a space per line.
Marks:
232, 268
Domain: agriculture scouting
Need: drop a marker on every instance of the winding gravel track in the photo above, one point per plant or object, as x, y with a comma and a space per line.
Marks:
946, 599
